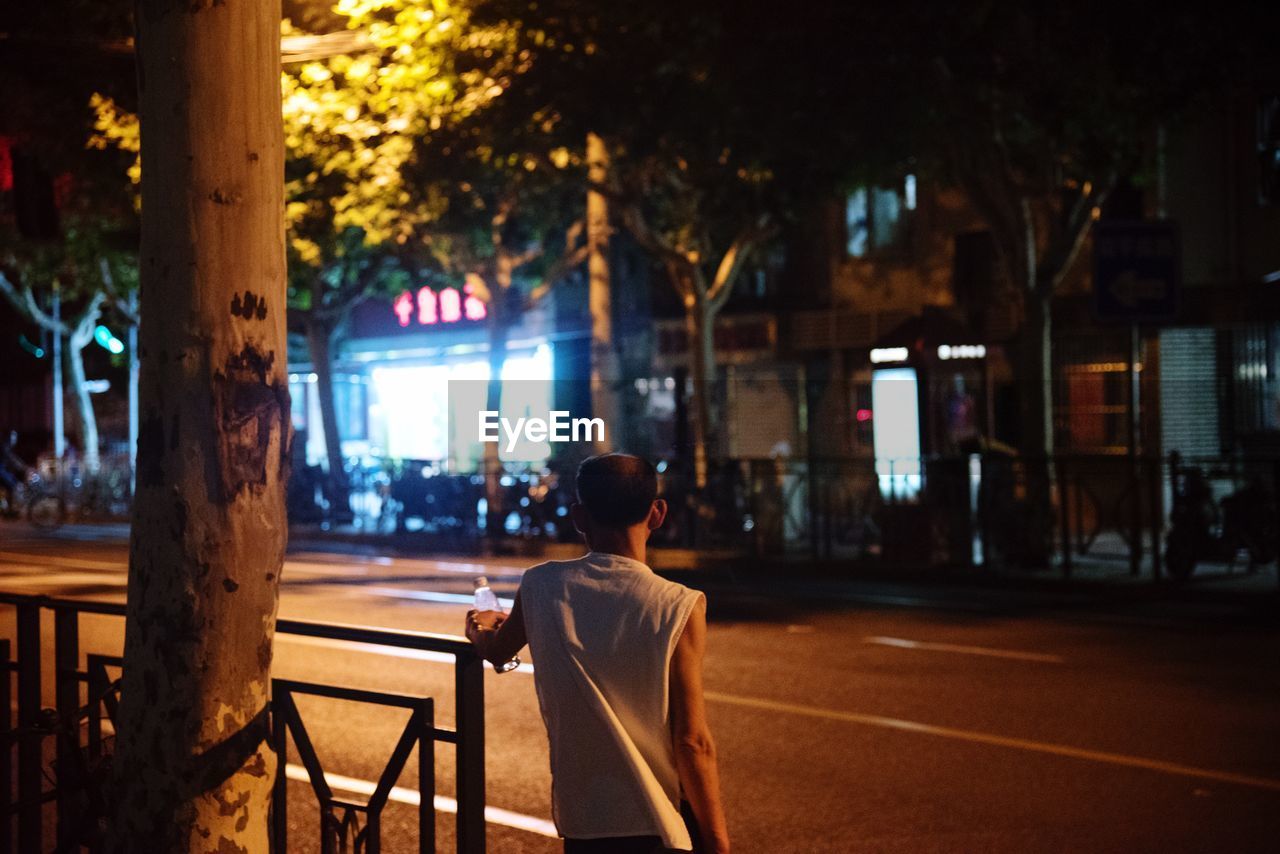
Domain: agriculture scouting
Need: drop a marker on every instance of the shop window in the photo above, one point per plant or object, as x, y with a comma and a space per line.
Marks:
1096, 415
352, 403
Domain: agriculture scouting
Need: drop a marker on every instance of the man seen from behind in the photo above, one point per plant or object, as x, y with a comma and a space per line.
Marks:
618, 654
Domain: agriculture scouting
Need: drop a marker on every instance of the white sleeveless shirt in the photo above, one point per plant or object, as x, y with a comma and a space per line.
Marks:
602, 630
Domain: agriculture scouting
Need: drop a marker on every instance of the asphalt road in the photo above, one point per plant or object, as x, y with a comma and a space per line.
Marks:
874, 718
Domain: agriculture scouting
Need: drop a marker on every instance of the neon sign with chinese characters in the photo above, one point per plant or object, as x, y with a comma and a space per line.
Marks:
426, 307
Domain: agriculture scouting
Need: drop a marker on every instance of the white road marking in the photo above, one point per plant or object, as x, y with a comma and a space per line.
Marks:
316, 568
430, 596
909, 602
43, 578
400, 794
460, 567
393, 651
903, 643
39, 561
1003, 741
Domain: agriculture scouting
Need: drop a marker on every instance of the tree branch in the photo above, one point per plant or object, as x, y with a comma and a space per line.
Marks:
526, 257
127, 310
561, 268
87, 322
1060, 260
653, 243
24, 300
738, 254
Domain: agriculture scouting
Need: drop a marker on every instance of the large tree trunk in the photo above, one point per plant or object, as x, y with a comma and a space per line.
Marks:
84, 402
193, 771
1035, 392
604, 355
133, 397
320, 348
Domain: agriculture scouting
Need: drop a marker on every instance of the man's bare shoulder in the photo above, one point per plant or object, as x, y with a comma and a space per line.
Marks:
549, 569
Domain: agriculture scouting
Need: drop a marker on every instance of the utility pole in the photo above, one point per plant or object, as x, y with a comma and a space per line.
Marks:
604, 355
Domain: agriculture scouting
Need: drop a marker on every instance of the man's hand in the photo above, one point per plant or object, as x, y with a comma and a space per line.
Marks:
483, 621
495, 635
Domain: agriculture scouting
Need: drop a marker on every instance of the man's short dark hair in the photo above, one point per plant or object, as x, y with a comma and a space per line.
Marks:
617, 489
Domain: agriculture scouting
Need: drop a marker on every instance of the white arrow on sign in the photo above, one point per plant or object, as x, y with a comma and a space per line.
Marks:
1129, 290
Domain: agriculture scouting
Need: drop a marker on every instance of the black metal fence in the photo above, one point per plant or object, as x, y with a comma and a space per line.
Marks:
1110, 512
85, 698
980, 509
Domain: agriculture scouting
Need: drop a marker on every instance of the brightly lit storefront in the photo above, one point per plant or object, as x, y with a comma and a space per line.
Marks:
400, 363
929, 398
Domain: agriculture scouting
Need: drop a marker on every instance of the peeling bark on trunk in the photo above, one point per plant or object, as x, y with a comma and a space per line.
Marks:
193, 771
320, 347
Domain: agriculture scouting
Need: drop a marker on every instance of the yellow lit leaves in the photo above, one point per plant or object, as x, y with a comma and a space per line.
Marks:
351, 121
114, 127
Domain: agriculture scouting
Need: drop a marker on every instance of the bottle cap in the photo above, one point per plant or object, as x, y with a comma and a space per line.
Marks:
481, 581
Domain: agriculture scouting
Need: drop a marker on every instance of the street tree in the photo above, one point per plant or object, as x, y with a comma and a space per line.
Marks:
353, 107
71, 212
508, 231
1037, 114
193, 770
66, 283
704, 230
679, 170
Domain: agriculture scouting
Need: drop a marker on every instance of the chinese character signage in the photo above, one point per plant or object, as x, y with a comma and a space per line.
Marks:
420, 310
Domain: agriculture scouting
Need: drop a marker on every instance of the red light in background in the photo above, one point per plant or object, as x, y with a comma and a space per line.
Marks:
403, 307
447, 306
450, 305
472, 306
426, 306
6, 164
864, 415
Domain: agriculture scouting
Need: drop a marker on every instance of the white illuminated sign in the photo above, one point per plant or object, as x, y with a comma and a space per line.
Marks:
961, 351
882, 355
895, 399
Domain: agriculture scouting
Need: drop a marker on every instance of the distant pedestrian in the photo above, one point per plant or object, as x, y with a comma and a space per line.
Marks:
618, 655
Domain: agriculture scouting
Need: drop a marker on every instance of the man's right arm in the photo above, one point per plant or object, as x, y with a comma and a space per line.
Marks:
695, 751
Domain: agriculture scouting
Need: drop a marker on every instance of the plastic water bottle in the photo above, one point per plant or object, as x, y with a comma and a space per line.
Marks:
487, 600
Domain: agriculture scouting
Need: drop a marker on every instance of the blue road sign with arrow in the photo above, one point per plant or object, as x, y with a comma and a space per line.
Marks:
1136, 271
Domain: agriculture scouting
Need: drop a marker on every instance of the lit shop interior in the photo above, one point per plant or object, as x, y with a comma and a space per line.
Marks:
931, 395
393, 378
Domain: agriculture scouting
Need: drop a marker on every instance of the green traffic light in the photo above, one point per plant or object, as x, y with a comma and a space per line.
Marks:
108, 341
33, 349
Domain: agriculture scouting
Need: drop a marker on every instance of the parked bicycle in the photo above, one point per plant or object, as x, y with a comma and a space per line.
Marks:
1204, 529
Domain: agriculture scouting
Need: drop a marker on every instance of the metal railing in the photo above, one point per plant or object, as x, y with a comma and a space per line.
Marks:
75, 752
1104, 512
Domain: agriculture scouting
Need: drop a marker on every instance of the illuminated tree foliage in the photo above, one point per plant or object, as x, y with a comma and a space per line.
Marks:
688, 179
356, 102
